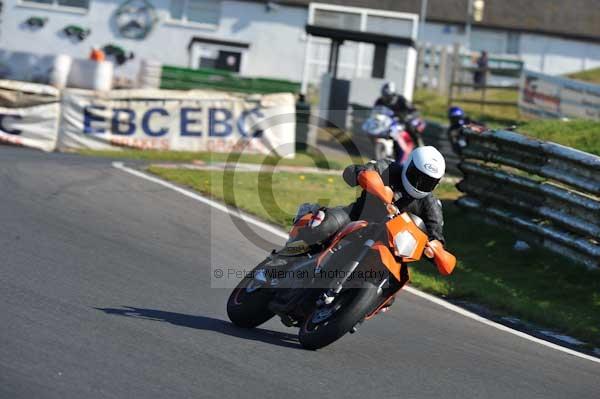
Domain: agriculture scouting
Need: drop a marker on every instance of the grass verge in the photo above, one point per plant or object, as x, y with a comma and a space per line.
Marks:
589, 75
435, 107
535, 285
301, 159
582, 134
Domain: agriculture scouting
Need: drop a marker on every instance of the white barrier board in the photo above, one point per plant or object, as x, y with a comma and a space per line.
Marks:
34, 126
555, 97
29, 114
195, 120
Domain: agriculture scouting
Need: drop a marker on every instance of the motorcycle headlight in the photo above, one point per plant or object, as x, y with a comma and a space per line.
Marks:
405, 243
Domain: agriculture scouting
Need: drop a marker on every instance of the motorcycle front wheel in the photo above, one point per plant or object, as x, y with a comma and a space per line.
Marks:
247, 306
328, 323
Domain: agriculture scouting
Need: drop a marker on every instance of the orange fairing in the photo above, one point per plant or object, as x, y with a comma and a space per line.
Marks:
388, 259
404, 223
443, 259
350, 228
371, 181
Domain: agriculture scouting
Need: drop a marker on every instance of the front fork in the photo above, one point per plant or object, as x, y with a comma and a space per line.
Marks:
338, 283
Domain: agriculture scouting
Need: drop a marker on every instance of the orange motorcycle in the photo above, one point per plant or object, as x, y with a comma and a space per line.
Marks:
328, 289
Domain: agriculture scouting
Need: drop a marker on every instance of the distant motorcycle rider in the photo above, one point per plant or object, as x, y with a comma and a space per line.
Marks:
457, 120
412, 182
401, 107
394, 101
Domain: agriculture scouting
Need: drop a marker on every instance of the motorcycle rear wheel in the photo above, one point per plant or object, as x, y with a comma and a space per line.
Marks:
354, 305
247, 306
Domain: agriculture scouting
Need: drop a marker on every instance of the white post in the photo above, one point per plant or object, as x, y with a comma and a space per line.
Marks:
423, 16
410, 73
307, 49
431, 68
443, 71
420, 66
306, 68
360, 49
468, 25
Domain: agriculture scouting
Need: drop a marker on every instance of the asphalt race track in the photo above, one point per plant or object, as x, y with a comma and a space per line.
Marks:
105, 284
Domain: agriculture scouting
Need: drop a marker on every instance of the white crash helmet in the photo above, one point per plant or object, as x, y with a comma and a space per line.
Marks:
422, 171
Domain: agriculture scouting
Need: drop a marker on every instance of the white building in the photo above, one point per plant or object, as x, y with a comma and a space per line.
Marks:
270, 42
268, 38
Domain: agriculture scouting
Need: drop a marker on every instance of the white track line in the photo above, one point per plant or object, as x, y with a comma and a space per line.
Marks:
278, 232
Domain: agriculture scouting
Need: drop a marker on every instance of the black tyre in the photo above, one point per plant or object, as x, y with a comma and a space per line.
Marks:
349, 309
247, 306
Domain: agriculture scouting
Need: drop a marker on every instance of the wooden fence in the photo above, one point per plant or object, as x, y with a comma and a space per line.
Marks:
449, 70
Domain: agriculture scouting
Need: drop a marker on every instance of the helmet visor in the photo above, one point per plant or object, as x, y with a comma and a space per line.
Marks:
420, 180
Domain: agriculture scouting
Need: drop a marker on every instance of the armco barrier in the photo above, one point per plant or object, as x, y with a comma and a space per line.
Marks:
546, 191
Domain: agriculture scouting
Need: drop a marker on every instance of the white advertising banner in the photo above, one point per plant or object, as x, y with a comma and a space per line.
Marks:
555, 97
196, 120
34, 126
29, 114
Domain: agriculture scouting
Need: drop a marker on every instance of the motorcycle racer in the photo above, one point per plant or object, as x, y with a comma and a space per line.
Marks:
396, 102
412, 182
332, 285
403, 110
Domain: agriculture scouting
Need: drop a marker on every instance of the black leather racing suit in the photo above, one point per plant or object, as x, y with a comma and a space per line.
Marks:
368, 207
